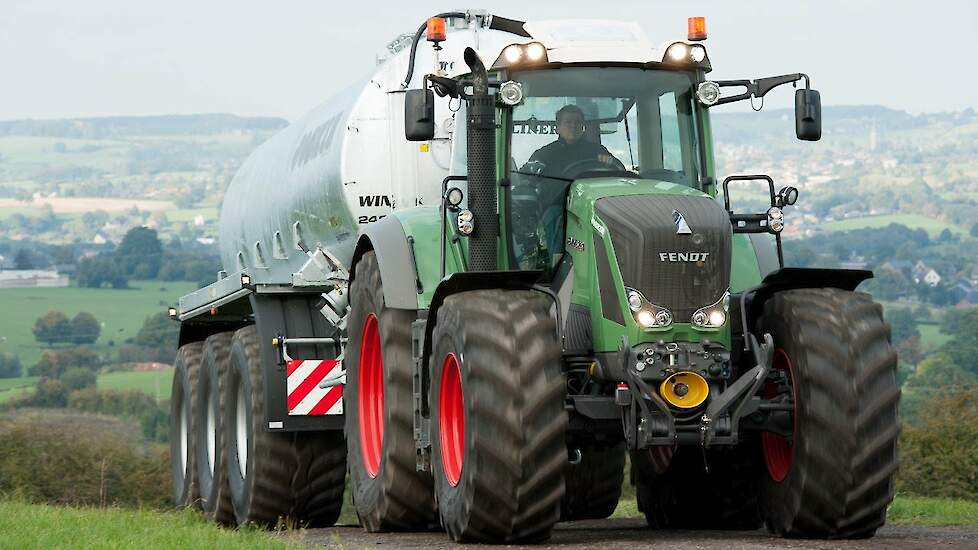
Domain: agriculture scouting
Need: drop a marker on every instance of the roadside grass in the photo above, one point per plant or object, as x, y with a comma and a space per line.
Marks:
933, 511
44, 526
121, 312
914, 221
904, 510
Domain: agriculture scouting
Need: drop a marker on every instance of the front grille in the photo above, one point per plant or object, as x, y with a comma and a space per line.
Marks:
642, 229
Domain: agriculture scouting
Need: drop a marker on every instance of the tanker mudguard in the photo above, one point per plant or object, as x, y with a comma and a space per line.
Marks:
387, 239
751, 303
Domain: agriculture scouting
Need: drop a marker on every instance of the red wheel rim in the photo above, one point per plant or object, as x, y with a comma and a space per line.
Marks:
779, 452
370, 397
451, 420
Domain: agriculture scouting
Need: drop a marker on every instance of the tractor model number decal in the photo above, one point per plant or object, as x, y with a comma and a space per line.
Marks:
305, 397
575, 244
683, 256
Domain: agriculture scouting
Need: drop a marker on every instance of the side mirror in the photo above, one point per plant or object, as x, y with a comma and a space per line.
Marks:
419, 115
808, 115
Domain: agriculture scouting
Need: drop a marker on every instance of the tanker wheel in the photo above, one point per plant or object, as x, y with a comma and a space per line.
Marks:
183, 423
593, 485
834, 477
498, 418
215, 498
321, 477
675, 489
260, 464
388, 491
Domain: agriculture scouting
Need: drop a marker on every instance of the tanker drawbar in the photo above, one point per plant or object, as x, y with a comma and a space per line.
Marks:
475, 280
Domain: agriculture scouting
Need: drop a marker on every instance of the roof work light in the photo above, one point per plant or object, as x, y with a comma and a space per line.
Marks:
522, 54
696, 29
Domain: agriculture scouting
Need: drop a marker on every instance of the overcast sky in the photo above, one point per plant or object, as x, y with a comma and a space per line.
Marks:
73, 58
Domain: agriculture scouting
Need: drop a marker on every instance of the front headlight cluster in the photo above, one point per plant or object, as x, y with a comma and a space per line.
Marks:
647, 314
713, 315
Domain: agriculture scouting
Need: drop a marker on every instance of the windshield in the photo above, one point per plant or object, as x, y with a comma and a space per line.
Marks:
592, 122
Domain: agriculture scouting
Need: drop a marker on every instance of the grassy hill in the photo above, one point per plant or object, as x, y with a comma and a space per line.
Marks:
121, 312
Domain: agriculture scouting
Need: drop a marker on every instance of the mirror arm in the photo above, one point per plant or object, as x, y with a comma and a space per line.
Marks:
759, 87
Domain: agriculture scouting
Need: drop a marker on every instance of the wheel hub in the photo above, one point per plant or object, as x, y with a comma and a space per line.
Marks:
370, 397
451, 420
779, 451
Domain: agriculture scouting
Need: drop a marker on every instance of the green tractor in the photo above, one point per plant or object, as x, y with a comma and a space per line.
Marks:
575, 291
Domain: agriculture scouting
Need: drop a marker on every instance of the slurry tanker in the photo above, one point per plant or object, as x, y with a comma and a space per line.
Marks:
479, 277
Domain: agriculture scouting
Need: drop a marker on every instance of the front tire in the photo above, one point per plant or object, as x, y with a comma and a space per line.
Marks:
835, 478
498, 418
389, 494
183, 425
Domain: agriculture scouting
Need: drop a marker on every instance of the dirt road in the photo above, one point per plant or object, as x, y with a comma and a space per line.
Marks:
631, 533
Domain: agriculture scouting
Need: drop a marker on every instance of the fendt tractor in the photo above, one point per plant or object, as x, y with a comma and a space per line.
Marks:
473, 289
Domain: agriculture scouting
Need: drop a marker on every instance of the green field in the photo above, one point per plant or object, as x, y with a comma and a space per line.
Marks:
913, 221
121, 312
154, 383
931, 336
42, 526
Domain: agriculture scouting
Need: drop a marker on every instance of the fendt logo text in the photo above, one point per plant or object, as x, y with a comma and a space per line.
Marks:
683, 256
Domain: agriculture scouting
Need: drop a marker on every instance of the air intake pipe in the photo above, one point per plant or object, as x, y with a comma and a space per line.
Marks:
481, 149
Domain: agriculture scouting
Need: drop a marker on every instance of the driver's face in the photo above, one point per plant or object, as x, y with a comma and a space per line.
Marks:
570, 128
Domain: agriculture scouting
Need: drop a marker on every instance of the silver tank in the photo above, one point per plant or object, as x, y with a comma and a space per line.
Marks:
343, 165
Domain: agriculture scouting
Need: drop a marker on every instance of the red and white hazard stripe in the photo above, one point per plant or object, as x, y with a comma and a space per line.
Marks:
305, 395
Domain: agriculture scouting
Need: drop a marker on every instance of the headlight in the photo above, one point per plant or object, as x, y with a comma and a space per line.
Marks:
465, 222
535, 51
775, 219
708, 93
714, 315
678, 52
511, 93
512, 53
647, 314
697, 52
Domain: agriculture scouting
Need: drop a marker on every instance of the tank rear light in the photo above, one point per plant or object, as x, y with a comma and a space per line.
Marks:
696, 28
436, 29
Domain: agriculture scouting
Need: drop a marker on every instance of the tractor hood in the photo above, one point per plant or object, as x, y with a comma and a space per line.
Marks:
672, 243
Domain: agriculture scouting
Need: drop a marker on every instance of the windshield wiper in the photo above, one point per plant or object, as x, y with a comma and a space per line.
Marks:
541, 176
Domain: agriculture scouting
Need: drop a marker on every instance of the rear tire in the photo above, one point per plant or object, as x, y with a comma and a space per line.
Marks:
183, 423
260, 463
215, 497
679, 493
593, 486
388, 491
321, 477
835, 480
498, 418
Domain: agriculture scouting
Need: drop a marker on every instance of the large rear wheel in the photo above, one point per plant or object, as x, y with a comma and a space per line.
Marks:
498, 418
183, 423
260, 463
833, 478
388, 491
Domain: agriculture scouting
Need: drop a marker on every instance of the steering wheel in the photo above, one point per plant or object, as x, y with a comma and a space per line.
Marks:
579, 166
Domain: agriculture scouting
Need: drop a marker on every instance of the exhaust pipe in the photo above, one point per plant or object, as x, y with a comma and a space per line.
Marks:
481, 149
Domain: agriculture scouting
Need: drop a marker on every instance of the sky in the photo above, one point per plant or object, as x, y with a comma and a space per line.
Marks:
64, 58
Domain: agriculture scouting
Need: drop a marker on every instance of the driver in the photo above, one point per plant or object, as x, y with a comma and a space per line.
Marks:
570, 147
